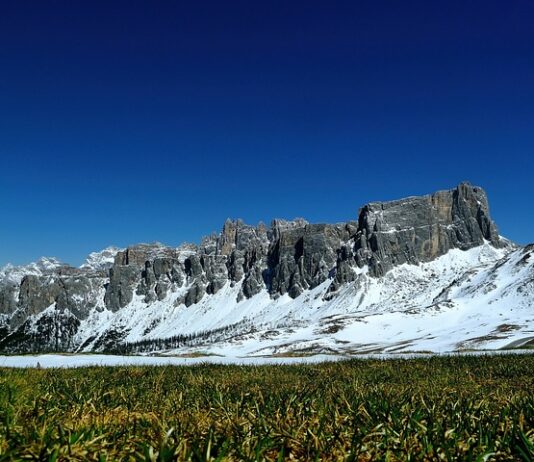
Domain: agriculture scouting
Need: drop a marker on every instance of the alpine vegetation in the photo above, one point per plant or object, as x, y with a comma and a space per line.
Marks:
430, 409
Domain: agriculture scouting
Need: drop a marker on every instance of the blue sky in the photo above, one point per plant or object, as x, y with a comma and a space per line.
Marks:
124, 122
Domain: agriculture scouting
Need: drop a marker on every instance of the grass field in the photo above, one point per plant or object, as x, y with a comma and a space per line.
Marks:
440, 408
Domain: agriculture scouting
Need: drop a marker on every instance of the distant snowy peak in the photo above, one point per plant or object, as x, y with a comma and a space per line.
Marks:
14, 274
103, 260
48, 263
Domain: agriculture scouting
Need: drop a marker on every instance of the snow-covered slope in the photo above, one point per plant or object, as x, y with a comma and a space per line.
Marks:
480, 298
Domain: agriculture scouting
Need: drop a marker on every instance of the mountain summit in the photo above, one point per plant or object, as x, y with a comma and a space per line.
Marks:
428, 272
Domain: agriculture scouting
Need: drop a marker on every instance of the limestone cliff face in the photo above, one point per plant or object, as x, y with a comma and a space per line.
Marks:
423, 228
289, 257
418, 229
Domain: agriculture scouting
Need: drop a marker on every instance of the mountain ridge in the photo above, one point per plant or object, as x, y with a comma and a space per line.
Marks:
62, 308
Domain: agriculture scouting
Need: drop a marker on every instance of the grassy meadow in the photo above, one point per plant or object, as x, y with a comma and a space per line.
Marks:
436, 408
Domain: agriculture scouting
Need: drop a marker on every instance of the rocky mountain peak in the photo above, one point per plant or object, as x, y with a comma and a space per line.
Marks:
421, 228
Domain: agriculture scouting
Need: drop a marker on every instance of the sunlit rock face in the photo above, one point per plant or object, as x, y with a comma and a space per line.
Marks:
419, 229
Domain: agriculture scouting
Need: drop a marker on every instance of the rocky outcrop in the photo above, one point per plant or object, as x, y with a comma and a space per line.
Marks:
8, 298
289, 257
417, 229
423, 228
70, 291
122, 281
302, 257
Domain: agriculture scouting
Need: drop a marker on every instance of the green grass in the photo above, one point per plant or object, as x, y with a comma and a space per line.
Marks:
436, 408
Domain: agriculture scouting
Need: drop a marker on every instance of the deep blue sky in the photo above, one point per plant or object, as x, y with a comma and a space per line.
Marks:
124, 122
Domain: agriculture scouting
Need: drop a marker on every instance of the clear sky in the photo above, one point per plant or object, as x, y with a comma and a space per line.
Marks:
129, 121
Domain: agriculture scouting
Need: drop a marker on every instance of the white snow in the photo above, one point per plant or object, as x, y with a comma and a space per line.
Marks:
482, 298
101, 260
57, 360
406, 310
86, 360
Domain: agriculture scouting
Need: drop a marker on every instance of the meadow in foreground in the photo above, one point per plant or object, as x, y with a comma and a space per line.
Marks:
439, 408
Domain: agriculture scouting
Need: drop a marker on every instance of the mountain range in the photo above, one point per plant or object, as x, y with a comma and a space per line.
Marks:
420, 274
